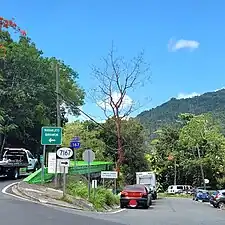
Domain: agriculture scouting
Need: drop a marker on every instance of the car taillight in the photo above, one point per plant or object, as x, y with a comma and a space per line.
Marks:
217, 195
124, 194
145, 195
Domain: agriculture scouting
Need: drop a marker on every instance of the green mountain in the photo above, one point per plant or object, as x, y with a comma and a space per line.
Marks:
167, 113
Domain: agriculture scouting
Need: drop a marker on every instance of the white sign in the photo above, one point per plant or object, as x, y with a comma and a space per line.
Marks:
206, 181
64, 162
60, 169
64, 153
94, 184
109, 174
51, 162
88, 156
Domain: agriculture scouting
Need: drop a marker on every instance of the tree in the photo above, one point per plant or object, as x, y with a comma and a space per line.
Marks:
165, 154
5, 24
205, 145
114, 83
134, 147
28, 98
88, 138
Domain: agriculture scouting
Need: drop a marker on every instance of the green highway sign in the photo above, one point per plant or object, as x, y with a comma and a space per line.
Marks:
51, 135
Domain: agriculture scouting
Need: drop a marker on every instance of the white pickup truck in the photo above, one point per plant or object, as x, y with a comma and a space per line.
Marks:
16, 159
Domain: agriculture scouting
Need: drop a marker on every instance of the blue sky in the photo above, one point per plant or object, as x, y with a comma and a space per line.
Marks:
81, 32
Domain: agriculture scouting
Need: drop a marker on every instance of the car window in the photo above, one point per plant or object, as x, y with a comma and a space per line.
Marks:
134, 188
30, 155
179, 187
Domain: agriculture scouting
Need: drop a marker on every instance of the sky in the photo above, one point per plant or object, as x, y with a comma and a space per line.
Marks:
184, 42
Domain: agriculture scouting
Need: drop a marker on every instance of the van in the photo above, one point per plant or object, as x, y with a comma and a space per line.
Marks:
176, 189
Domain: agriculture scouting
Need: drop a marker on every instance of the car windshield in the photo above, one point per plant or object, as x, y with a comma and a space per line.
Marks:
134, 188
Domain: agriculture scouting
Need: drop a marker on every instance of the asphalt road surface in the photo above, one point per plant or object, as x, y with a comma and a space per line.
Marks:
163, 212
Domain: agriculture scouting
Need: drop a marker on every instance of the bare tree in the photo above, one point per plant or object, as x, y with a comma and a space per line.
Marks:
114, 83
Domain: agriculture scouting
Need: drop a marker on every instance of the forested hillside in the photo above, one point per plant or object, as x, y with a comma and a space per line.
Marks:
167, 113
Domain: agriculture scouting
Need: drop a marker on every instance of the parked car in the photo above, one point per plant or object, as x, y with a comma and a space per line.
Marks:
218, 199
202, 195
135, 195
179, 189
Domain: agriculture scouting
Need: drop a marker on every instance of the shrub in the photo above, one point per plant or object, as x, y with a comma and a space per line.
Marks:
101, 198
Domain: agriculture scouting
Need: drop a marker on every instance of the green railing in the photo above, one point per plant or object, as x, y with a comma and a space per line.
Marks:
81, 168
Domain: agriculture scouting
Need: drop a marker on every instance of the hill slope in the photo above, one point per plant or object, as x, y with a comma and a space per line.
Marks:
167, 113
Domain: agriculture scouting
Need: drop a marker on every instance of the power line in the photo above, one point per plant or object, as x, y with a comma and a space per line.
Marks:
93, 120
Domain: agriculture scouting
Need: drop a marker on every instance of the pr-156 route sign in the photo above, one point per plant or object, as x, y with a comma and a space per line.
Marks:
51, 135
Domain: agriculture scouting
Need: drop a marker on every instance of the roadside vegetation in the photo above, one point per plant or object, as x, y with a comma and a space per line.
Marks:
101, 198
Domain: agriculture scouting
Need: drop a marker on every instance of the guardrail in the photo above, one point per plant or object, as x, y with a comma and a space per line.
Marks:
81, 168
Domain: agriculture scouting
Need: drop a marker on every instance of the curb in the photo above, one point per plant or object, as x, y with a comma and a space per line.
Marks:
41, 202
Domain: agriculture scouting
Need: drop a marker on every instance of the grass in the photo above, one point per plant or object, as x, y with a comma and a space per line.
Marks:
102, 199
164, 195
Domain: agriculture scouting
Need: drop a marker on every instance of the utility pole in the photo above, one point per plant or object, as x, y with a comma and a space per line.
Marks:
57, 111
175, 172
201, 167
57, 96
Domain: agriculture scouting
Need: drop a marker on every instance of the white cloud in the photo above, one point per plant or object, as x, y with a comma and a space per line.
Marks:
220, 89
180, 44
184, 95
127, 101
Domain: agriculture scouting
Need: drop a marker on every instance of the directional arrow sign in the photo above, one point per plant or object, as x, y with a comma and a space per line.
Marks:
51, 140
51, 135
64, 162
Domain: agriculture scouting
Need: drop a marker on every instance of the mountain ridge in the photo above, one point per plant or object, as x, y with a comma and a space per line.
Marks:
167, 113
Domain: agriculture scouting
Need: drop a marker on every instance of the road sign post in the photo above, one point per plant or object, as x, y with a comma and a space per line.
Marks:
75, 144
89, 156
110, 175
49, 136
43, 166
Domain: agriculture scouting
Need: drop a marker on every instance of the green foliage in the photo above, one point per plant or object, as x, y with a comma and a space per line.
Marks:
167, 113
28, 98
101, 199
89, 135
134, 147
201, 133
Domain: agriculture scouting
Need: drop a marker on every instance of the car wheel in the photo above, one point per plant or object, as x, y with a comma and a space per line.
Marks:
221, 205
14, 174
146, 206
122, 206
35, 168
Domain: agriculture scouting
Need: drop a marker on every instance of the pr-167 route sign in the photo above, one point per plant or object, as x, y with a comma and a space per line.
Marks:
51, 135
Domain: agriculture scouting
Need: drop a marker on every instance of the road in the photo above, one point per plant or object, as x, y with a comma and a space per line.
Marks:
163, 212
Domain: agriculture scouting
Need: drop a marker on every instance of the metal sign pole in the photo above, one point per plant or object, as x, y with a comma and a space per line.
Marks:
94, 188
43, 165
89, 177
75, 158
115, 185
64, 181
56, 177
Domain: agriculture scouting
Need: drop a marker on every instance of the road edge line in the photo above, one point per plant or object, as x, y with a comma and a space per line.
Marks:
4, 191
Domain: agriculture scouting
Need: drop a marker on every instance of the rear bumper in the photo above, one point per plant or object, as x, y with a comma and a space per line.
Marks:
140, 201
213, 202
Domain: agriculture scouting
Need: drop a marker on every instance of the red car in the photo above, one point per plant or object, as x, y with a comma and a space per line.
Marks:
135, 195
